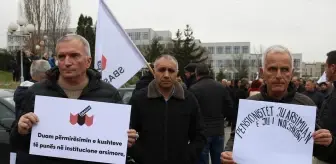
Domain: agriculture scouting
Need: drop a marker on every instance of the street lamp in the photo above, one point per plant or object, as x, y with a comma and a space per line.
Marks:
24, 31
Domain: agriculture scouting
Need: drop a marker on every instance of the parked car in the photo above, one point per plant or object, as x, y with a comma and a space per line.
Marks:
126, 94
7, 117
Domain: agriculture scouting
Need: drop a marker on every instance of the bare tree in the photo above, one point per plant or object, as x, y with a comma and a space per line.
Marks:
242, 65
33, 11
53, 16
58, 20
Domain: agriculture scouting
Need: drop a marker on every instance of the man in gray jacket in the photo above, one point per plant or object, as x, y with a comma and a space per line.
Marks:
277, 72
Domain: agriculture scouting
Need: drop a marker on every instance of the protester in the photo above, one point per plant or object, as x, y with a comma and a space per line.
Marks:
298, 83
189, 72
167, 118
224, 82
313, 94
38, 71
240, 93
45, 56
277, 72
326, 88
327, 113
144, 80
255, 87
52, 61
216, 104
72, 79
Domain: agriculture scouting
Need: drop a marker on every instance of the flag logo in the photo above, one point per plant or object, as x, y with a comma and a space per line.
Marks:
102, 63
82, 118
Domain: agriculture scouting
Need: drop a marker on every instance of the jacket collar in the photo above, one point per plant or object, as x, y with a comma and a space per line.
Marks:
153, 91
291, 91
94, 78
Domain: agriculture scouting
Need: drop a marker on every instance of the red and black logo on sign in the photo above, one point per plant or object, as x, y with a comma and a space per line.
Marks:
82, 117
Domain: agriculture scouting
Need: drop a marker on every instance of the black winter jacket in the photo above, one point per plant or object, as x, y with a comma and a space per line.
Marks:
216, 104
326, 119
96, 90
19, 95
170, 132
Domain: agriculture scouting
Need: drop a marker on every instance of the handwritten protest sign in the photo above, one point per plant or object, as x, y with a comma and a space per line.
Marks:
81, 130
273, 133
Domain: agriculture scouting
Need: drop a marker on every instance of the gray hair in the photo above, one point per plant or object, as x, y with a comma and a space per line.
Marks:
168, 57
277, 49
38, 67
70, 37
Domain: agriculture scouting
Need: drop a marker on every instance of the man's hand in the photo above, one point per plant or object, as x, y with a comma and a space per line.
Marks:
26, 122
132, 136
226, 158
322, 137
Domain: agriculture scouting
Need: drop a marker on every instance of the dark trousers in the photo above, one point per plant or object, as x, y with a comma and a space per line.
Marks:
214, 146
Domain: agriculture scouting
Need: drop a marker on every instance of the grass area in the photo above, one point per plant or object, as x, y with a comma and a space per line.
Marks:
6, 80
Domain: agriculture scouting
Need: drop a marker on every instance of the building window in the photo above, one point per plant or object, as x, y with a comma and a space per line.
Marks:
296, 63
245, 49
211, 50
228, 50
236, 50
253, 64
219, 50
145, 36
137, 36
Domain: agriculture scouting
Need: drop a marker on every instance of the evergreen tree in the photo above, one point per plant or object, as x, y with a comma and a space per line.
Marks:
85, 28
220, 76
153, 50
186, 49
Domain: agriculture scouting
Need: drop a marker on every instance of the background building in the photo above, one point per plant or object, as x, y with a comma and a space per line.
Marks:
143, 37
312, 70
14, 41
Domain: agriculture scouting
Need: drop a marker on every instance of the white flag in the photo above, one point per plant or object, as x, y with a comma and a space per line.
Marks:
323, 78
116, 56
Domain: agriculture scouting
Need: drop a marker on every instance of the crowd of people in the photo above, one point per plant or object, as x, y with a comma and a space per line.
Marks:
175, 120
28, 58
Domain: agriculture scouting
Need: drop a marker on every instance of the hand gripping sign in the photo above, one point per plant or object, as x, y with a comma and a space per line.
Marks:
82, 118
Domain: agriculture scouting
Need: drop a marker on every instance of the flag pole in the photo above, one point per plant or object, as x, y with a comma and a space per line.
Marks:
124, 32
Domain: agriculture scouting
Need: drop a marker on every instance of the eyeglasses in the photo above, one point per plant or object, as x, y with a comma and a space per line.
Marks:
163, 69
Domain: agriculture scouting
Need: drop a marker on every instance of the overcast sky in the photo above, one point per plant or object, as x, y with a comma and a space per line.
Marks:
304, 26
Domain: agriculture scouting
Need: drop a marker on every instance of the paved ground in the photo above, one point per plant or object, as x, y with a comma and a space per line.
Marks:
227, 134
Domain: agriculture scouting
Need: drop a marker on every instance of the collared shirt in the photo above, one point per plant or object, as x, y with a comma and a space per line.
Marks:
171, 94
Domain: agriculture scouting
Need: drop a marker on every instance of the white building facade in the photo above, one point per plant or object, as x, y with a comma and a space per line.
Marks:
229, 56
143, 37
15, 41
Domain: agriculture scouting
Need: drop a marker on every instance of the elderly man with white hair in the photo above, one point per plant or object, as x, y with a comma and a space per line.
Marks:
277, 73
38, 71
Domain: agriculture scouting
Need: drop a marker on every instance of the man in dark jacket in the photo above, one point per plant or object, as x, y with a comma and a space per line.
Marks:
298, 84
311, 92
190, 77
38, 71
327, 113
277, 73
72, 79
167, 118
144, 81
216, 105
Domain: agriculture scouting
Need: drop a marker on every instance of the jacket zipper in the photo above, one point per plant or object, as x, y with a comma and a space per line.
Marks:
165, 133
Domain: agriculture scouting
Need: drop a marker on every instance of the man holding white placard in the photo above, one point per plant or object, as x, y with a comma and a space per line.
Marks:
277, 72
71, 79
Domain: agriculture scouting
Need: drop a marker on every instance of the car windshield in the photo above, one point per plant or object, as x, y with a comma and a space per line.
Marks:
10, 100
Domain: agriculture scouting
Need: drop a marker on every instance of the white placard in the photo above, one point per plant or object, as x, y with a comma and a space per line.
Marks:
63, 132
273, 133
